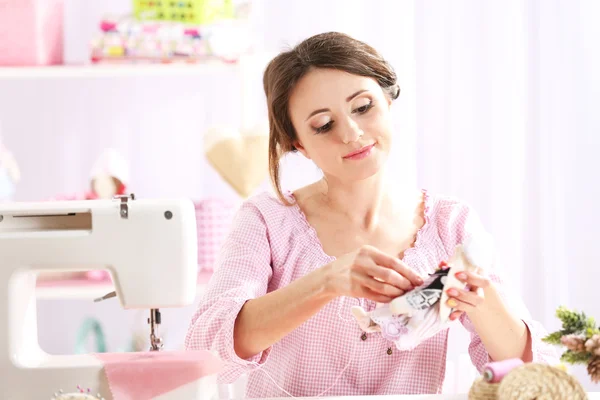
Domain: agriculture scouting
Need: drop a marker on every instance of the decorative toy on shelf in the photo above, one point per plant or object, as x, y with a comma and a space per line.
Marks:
10, 174
109, 176
239, 156
149, 245
197, 12
423, 312
175, 31
581, 337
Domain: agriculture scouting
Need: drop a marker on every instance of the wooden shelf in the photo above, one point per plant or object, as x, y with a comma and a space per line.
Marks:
87, 289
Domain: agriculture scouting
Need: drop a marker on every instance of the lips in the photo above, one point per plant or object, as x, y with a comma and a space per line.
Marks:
359, 151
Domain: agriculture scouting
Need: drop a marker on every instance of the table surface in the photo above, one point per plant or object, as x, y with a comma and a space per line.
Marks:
591, 396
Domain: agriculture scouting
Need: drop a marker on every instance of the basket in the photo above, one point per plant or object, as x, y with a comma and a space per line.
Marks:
193, 12
213, 221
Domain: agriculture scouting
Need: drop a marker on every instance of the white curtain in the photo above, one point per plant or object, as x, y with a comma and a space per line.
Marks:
500, 101
507, 118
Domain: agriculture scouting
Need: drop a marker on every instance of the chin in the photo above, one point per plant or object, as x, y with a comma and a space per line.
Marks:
368, 169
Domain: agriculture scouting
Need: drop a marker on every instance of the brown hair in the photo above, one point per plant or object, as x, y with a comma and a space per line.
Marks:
326, 50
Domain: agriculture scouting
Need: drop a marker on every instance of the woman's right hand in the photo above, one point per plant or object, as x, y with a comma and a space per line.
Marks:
369, 273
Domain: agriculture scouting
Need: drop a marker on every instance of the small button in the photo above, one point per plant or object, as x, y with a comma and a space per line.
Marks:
389, 351
363, 336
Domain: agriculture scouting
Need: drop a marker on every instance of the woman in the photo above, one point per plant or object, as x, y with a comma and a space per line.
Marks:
293, 266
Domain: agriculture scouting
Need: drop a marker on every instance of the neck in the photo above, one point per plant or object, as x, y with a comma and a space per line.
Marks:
364, 202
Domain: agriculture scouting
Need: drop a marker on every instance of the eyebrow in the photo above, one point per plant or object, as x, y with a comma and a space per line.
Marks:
349, 98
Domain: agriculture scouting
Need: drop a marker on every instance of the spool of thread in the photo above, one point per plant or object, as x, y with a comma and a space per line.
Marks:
494, 372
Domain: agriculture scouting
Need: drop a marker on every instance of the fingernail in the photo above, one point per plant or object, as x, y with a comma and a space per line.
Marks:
453, 292
452, 303
461, 275
420, 281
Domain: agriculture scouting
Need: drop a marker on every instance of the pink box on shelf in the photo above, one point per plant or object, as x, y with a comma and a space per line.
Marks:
213, 220
31, 32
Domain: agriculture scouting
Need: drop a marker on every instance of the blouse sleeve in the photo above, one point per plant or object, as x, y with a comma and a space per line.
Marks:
242, 272
461, 223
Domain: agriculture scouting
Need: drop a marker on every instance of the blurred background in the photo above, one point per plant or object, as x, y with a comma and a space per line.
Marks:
499, 106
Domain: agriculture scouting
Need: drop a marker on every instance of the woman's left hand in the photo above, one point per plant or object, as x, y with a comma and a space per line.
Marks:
470, 299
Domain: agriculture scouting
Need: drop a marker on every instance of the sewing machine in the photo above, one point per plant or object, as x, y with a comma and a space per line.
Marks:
148, 246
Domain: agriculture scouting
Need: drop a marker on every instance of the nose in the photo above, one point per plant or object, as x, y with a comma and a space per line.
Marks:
351, 131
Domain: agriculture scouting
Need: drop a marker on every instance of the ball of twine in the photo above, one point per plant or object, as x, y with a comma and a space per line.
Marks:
482, 390
534, 381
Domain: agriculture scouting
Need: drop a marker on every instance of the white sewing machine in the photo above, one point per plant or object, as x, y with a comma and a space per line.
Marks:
150, 249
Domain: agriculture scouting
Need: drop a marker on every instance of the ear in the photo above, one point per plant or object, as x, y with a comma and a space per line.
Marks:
301, 149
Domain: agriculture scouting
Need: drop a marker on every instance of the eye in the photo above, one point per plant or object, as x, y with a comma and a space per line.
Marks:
324, 128
363, 109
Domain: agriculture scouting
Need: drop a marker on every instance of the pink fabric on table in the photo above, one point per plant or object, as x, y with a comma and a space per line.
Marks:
213, 219
31, 32
146, 375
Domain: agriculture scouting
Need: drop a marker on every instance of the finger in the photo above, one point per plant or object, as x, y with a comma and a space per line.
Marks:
477, 290
374, 296
408, 272
394, 263
458, 305
387, 275
473, 279
455, 315
380, 287
471, 298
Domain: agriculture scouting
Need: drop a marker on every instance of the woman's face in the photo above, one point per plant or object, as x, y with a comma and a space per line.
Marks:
342, 122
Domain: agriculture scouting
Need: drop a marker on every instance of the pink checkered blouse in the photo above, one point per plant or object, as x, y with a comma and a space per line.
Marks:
269, 246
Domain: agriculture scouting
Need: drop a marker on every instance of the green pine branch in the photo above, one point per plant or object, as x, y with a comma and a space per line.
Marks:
575, 358
591, 331
575, 322
554, 338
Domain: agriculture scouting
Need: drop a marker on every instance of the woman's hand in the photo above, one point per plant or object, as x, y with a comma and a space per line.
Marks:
371, 274
470, 299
